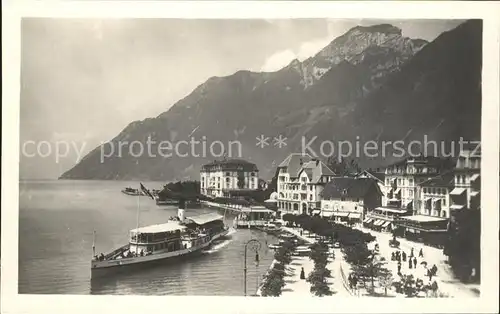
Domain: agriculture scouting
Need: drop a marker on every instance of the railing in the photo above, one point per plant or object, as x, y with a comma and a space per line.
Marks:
380, 216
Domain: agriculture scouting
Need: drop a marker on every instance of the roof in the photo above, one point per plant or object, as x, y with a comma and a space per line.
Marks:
420, 159
380, 176
392, 210
444, 180
315, 169
165, 227
457, 191
423, 218
354, 188
257, 209
230, 163
293, 163
205, 218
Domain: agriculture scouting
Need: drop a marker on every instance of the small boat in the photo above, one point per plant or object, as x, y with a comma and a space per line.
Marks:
132, 192
179, 236
274, 246
271, 229
287, 236
166, 202
302, 251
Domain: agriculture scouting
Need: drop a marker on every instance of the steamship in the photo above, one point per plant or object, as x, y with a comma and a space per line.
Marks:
180, 236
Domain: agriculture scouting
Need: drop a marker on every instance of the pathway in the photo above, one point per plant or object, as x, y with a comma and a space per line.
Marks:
337, 284
447, 283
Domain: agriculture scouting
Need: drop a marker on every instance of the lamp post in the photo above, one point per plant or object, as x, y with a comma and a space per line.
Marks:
256, 245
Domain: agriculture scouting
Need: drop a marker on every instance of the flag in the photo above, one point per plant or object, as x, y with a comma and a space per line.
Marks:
146, 191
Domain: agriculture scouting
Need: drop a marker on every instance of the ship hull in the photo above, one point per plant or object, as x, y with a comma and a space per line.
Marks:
105, 268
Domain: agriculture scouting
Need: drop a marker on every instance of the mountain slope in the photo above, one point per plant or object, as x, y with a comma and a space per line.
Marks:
365, 83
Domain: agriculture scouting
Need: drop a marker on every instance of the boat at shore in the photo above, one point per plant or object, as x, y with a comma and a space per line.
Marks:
133, 192
271, 228
180, 236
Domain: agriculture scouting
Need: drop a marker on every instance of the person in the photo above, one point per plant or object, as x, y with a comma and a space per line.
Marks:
421, 253
142, 253
411, 253
415, 262
429, 273
410, 264
302, 274
393, 256
301, 232
354, 281
399, 267
404, 256
434, 270
349, 278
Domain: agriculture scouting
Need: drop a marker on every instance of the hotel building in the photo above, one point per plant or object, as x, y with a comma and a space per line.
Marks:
402, 178
222, 178
467, 180
301, 179
348, 199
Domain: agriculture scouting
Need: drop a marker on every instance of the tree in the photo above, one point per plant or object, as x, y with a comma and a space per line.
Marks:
385, 278
463, 244
318, 277
273, 284
343, 167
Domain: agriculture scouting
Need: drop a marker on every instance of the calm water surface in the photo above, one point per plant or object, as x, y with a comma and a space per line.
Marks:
56, 222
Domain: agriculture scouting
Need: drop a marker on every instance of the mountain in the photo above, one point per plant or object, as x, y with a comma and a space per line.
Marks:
370, 83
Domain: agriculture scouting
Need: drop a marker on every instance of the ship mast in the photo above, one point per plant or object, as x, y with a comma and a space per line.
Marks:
137, 226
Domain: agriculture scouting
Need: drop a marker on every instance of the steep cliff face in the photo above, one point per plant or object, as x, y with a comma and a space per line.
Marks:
358, 45
370, 83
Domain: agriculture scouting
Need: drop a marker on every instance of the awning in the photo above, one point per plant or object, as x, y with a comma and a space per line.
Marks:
457, 191
270, 201
341, 214
474, 194
295, 212
369, 220
423, 218
205, 218
355, 215
426, 199
454, 207
366, 220
385, 224
327, 214
316, 211
397, 191
378, 222
435, 199
474, 177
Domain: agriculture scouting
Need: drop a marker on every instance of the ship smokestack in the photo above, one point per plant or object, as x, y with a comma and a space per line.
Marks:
181, 214
181, 211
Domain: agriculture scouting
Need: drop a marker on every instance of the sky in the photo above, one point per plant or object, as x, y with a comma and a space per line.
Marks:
84, 80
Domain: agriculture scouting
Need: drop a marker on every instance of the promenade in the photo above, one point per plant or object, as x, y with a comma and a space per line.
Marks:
447, 283
295, 285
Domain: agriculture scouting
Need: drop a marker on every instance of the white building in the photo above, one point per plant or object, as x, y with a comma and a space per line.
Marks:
301, 179
348, 199
467, 180
220, 178
402, 178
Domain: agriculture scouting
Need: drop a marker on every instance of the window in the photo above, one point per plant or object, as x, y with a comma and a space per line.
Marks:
443, 202
253, 174
228, 174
